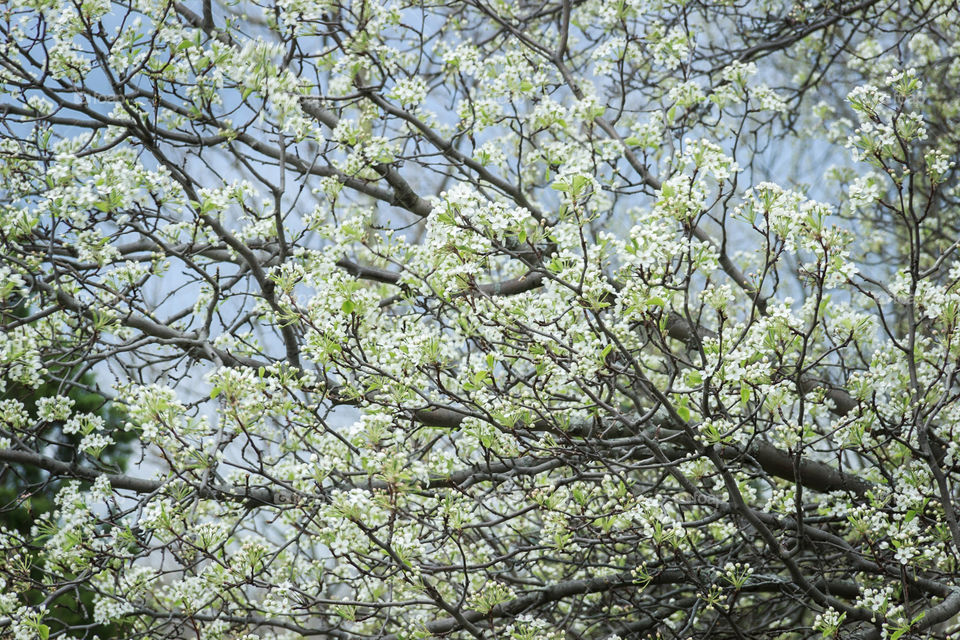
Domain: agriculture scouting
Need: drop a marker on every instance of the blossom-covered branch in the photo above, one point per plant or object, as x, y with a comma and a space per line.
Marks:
570, 319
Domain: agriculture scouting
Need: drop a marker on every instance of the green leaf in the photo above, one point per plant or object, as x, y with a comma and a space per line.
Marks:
578, 183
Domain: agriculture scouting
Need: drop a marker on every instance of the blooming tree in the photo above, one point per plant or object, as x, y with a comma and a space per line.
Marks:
573, 319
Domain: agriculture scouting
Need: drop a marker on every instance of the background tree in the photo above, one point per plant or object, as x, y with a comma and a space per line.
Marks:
574, 319
27, 492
